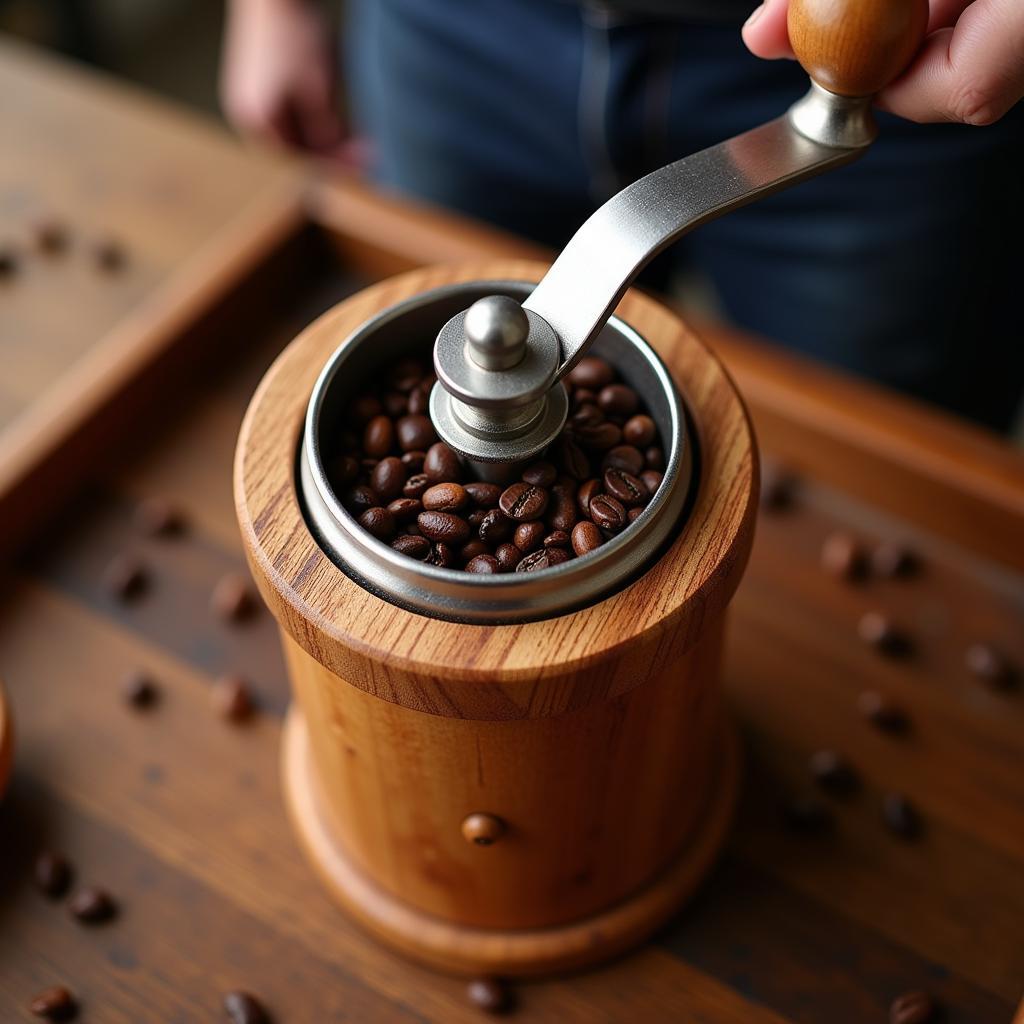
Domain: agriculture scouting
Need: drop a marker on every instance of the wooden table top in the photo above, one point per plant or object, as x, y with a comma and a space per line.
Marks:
179, 815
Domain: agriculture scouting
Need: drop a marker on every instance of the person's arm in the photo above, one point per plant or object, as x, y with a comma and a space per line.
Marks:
277, 74
970, 67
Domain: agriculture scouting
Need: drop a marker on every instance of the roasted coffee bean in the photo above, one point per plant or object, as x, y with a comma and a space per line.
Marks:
363, 409
990, 666
50, 236
415, 433
571, 459
124, 577
586, 537
618, 400
591, 372
882, 713
483, 495
442, 464
587, 415
523, 502
599, 437
233, 599
654, 458
608, 513
56, 1004
442, 555
626, 487
473, 548
368, 465
639, 431
405, 509
508, 556
912, 1008
358, 498
407, 374
843, 557
494, 527
419, 402
158, 517
52, 873
413, 462
778, 487
396, 404
900, 816
543, 559
652, 480
476, 517
528, 536
92, 905
109, 255
562, 509
139, 691
806, 814
585, 493
582, 396
483, 565
443, 527
556, 539
388, 478
833, 773
416, 486
624, 457
8, 262
445, 498
414, 547
343, 471
245, 1008
540, 474
379, 522
232, 699
878, 631
378, 437
891, 561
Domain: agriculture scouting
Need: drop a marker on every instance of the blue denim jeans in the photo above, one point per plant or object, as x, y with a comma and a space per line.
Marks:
904, 266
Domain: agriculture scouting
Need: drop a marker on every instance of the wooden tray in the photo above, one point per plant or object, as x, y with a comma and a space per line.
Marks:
180, 815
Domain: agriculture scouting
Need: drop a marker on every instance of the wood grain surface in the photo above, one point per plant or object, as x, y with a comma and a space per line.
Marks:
180, 814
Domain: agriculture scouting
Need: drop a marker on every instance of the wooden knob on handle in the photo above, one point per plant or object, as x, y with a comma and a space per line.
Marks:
856, 47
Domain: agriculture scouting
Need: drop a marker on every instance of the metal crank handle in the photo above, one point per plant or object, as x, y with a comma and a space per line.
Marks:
850, 48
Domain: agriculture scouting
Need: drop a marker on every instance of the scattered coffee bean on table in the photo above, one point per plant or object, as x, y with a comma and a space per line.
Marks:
109, 255
139, 691
490, 995
883, 713
52, 873
8, 262
124, 577
778, 487
807, 814
989, 665
92, 905
55, 1004
901, 816
245, 1008
232, 599
912, 1008
843, 557
834, 773
892, 561
411, 491
877, 630
50, 236
158, 517
232, 698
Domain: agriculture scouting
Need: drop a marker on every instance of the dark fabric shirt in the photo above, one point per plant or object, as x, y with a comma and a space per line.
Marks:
723, 12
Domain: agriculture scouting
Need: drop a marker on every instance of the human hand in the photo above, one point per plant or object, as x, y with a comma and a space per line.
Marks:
277, 74
970, 67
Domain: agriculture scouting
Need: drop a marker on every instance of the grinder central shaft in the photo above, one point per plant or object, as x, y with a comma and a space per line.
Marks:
497, 399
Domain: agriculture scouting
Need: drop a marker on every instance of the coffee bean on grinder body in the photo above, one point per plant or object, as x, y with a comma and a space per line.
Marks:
379, 437
443, 527
482, 564
608, 513
625, 457
591, 372
483, 495
495, 527
92, 905
388, 478
625, 487
508, 557
415, 433
528, 536
445, 498
523, 502
414, 547
586, 537
379, 522
540, 474
618, 400
562, 507
442, 465
545, 558
639, 431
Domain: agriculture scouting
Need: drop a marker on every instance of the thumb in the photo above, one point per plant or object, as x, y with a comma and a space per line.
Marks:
765, 32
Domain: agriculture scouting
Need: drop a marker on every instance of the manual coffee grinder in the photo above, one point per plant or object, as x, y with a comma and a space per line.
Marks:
526, 772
